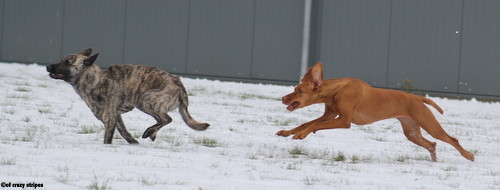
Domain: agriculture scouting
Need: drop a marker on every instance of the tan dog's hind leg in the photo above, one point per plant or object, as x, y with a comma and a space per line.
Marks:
428, 122
412, 132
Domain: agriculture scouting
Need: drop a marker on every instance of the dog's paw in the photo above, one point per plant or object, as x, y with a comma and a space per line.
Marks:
148, 132
284, 133
133, 141
300, 136
153, 137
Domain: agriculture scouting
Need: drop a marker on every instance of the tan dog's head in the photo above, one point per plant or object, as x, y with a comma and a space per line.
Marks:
71, 66
307, 92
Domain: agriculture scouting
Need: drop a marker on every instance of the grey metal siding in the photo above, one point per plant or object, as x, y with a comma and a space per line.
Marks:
157, 33
424, 44
445, 46
32, 31
354, 39
2, 11
480, 60
220, 37
97, 24
278, 39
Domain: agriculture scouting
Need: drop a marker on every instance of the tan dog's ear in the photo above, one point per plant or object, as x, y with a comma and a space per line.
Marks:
317, 74
308, 76
86, 52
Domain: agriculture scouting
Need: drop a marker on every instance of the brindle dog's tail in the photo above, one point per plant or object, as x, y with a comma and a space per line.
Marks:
183, 109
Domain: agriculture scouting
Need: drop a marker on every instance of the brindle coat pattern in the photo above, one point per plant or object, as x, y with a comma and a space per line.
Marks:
121, 88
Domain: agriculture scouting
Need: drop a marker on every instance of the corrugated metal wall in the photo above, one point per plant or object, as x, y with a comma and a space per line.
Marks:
480, 56
446, 46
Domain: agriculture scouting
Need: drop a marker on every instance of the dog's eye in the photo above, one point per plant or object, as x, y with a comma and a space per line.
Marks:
67, 63
299, 91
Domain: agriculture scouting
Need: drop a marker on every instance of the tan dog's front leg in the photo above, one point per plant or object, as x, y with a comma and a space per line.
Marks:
328, 115
329, 124
286, 133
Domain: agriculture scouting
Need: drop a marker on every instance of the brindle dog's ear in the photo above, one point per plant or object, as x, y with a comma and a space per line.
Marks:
86, 52
90, 60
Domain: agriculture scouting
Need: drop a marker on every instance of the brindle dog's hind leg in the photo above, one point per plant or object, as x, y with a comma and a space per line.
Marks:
162, 121
157, 103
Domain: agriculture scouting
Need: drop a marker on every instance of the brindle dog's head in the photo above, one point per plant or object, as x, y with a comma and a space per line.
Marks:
307, 92
71, 66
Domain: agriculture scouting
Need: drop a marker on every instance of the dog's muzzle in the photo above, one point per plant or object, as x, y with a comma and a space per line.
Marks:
50, 69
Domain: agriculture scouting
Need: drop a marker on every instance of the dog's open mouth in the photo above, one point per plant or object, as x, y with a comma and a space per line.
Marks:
56, 76
293, 106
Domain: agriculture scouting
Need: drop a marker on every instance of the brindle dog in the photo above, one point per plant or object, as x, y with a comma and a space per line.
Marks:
121, 88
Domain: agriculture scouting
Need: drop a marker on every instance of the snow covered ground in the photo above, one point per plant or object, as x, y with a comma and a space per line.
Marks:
49, 137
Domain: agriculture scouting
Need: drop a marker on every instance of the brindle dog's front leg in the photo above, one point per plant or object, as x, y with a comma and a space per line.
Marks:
328, 115
123, 131
110, 122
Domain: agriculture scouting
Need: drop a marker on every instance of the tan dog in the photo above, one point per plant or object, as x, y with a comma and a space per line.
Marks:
349, 100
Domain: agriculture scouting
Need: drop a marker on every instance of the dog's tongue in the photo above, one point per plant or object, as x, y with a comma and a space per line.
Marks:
292, 106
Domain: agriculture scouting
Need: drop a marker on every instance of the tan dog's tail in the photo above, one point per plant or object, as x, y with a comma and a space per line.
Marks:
433, 104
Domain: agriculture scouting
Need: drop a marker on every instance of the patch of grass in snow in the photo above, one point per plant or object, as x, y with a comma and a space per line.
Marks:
10, 111
23, 89
26, 119
402, 158
96, 185
355, 159
208, 142
246, 96
8, 161
297, 150
252, 156
29, 134
173, 140
318, 154
309, 181
340, 157
63, 178
450, 168
280, 121
291, 166
87, 129
379, 138
44, 110
149, 181
196, 90
19, 96
43, 85
21, 83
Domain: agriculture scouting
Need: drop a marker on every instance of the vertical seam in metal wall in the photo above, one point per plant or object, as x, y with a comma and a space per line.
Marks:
124, 38
389, 46
319, 31
2, 26
305, 37
62, 27
187, 38
460, 46
252, 49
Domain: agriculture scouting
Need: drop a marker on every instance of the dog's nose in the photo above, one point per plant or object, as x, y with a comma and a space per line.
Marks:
49, 68
283, 99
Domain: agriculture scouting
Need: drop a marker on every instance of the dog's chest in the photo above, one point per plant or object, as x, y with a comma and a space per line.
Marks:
360, 118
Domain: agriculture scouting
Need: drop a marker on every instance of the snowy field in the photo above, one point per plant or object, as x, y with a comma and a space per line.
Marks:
49, 137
